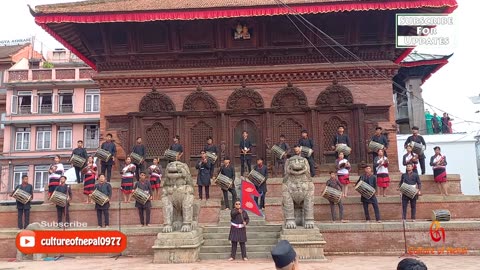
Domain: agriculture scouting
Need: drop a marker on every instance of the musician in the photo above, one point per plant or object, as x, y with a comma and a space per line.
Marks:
203, 177
245, 153
410, 178
128, 173
139, 149
280, 163
144, 185
228, 170
418, 139
343, 172
105, 188
262, 189
333, 182
383, 179
410, 157
90, 172
64, 210
382, 139
411, 264
341, 138
371, 180
56, 170
109, 146
23, 210
238, 231
284, 256
81, 152
155, 171
210, 147
307, 142
177, 147
439, 163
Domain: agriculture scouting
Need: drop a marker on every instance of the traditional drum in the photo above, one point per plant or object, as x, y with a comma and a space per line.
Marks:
140, 196
417, 148
375, 146
136, 158
22, 196
59, 198
99, 198
306, 151
103, 154
332, 195
224, 182
256, 178
211, 156
365, 189
77, 161
170, 155
278, 151
441, 215
343, 148
409, 190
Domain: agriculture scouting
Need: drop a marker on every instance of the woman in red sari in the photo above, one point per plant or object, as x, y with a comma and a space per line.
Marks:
439, 163
90, 172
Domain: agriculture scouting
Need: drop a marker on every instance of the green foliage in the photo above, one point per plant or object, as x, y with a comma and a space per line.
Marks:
47, 65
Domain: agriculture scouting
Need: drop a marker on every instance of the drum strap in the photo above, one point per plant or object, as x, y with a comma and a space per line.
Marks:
237, 225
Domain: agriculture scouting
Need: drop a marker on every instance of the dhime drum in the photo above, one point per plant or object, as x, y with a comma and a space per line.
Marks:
441, 215
365, 189
103, 154
417, 148
409, 190
141, 196
332, 195
278, 151
170, 155
211, 156
136, 158
256, 178
224, 182
77, 161
99, 198
59, 198
22, 196
306, 151
343, 148
375, 146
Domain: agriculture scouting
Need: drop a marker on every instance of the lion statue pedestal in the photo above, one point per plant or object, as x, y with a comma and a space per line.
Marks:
298, 203
180, 239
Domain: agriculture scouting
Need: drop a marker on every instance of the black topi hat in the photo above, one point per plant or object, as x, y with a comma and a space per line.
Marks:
283, 254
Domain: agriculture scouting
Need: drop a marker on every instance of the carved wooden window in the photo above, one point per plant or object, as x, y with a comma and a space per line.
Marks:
330, 130
200, 132
157, 140
291, 129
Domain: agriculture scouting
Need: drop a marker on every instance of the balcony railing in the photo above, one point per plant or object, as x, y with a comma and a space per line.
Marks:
91, 143
66, 108
45, 109
54, 74
25, 109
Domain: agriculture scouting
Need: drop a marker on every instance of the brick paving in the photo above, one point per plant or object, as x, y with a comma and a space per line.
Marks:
333, 263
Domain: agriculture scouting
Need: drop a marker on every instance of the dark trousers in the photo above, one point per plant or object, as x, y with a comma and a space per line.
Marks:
243, 248
280, 166
262, 199
77, 174
422, 164
105, 215
413, 205
207, 192
138, 170
20, 219
243, 160
61, 211
311, 163
225, 197
333, 210
108, 168
374, 202
144, 220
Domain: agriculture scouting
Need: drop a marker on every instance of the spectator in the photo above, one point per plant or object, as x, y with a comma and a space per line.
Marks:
284, 256
411, 264
445, 120
435, 124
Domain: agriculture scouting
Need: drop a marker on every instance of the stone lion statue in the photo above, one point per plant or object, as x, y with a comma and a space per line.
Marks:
180, 211
298, 190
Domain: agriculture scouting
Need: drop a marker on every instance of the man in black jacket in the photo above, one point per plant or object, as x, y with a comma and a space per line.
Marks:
144, 185
410, 178
79, 151
61, 211
228, 170
106, 189
24, 209
371, 180
418, 139
139, 149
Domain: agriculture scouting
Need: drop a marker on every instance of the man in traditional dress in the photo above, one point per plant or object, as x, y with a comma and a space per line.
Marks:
23, 210
380, 138
177, 147
210, 147
280, 162
203, 177
371, 180
228, 170
81, 152
245, 153
64, 210
109, 146
262, 189
307, 142
145, 186
410, 178
139, 149
284, 256
106, 189
418, 139
341, 138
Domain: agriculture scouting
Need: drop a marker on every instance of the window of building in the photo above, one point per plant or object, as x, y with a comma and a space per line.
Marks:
45, 103
59, 55
92, 100
18, 172
41, 177
64, 138
44, 135
22, 102
65, 102
22, 139
91, 136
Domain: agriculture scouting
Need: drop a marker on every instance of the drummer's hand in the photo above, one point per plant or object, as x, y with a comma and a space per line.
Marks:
90, 195
240, 210
245, 223
419, 193
151, 198
333, 147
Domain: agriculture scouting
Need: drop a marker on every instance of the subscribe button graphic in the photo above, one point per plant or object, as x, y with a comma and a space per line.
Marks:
29, 242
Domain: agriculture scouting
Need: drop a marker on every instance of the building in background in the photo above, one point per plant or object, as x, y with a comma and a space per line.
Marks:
47, 111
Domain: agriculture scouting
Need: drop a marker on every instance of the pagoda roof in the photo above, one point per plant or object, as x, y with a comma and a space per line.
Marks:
423, 64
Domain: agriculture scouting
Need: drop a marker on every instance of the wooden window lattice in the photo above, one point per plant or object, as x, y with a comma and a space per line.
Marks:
330, 130
291, 129
200, 132
157, 140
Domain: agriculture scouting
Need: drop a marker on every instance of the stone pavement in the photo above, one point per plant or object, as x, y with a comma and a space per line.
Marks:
333, 263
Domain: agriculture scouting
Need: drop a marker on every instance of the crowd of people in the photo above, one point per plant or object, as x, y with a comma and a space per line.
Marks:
437, 124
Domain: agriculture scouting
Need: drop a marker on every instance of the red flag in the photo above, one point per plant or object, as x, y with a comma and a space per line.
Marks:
248, 191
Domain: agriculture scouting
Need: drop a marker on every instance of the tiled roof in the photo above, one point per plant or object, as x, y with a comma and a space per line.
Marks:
6, 52
416, 57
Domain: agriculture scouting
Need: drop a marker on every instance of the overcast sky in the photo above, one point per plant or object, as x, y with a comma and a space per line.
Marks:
448, 89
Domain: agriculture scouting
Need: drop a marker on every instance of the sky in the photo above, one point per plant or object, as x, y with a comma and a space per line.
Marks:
447, 90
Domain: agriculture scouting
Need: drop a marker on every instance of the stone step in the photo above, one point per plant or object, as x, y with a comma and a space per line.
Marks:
226, 229
226, 255
251, 241
250, 235
251, 223
226, 248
